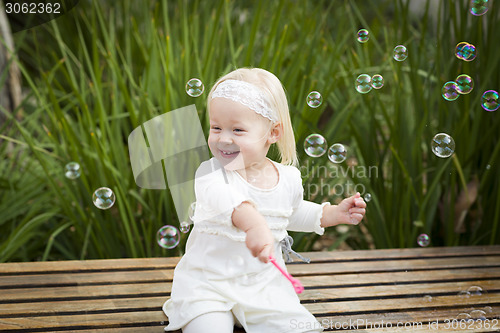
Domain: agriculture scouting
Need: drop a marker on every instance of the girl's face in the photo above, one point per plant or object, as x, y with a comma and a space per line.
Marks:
239, 137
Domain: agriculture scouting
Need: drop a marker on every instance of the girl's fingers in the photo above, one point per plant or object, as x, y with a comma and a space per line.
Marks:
356, 218
360, 203
357, 210
265, 253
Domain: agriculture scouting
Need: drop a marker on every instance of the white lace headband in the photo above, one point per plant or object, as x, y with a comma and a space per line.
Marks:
247, 94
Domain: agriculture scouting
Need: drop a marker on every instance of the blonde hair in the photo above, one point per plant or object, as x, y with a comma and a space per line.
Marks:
275, 94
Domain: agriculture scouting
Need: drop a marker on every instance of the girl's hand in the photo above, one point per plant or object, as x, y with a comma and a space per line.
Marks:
259, 241
349, 211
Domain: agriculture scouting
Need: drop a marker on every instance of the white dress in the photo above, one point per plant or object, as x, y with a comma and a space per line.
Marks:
218, 272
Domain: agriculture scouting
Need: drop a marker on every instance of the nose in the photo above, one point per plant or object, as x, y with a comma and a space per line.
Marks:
225, 138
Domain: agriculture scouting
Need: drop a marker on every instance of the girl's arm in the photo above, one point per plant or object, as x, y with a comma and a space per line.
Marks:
309, 216
259, 238
350, 211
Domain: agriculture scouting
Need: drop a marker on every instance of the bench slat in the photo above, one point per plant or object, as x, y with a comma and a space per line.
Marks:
79, 279
402, 277
412, 317
86, 321
49, 267
393, 266
426, 252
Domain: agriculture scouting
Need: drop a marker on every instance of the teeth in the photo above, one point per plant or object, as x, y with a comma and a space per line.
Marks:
227, 152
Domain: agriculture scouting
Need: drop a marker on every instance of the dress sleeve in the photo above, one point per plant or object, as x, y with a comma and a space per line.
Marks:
216, 196
306, 215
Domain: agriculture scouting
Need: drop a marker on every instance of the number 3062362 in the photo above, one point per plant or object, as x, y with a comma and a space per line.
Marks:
32, 8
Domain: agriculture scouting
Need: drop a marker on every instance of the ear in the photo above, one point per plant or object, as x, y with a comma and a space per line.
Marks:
275, 133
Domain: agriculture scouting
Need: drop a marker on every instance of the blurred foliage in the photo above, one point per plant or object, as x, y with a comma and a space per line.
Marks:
93, 75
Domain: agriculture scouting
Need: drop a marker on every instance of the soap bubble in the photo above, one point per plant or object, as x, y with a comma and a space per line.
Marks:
465, 51
443, 145
377, 81
463, 316
475, 290
427, 298
488, 309
478, 7
463, 294
314, 99
103, 198
194, 87
464, 84
72, 170
489, 100
368, 197
363, 36
168, 237
184, 227
337, 153
469, 52
400, 53
450, 91
423, 240
364, 83
315, 145
478, 315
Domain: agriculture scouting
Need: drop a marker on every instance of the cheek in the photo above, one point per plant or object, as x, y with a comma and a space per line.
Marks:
211, 137
211, 141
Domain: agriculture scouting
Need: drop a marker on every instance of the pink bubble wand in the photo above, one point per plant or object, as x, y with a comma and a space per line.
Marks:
295, 283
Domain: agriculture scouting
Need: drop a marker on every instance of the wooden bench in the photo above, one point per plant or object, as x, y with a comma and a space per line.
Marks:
412, 290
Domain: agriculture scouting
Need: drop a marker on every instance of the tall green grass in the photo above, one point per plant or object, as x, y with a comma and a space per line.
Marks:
93, 75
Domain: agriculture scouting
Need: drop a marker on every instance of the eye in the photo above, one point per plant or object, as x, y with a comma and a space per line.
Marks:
215, 128
239, 130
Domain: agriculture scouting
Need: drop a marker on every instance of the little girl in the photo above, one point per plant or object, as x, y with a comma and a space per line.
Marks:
245, 203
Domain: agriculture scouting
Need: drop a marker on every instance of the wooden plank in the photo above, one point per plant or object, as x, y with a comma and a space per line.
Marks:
51, 267
86, 321
142, 330
430, 252
130, 330
401, 277
154, 329
70, 307
393, 266
399, 291
85, 292
388, 305
429, 327
81, 279
372, 320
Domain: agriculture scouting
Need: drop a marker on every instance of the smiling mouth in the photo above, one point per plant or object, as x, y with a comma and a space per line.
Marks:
225, 153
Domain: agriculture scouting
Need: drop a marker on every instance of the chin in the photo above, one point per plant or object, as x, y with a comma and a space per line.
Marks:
232, 164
